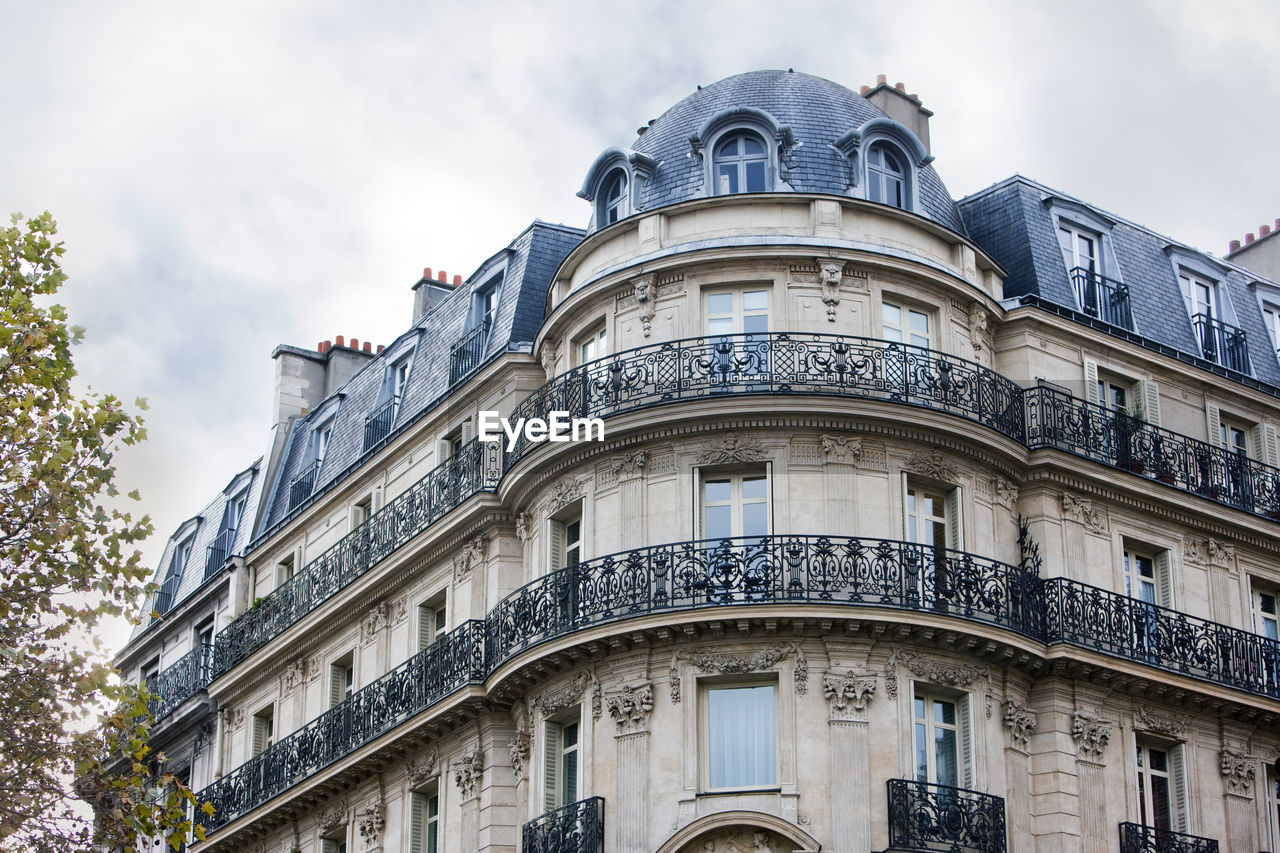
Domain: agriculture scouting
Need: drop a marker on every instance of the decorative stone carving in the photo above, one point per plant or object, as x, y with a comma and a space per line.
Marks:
731, 448
1220, 553
522, 527
421, 772
830, 275
467, 558
521, 746
373, 623
1083, 510
1090, 734
1020, 722
760, 659
980, 332
549, 355
1170, 725
675, 682
555, 701
932, 463
563, 493
630, 707
1238, 770
627, 465
739, 840
847, 692
334, 816
939, 672
1005, 493
645, 295
233, 717
467, 771
370, 821
292, 676
891, 678
842, 448
400, 610
597, 701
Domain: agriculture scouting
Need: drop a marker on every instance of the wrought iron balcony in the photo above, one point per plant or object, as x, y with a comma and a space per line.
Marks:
217, 553
303, 484
177, 683
1135, 838
164, 599
575, 828
1102, 297
1221, 343
377, 425
466, 355
941, 819
470, 470
424, 679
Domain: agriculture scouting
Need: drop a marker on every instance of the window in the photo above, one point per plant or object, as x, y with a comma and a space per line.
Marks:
561, 760
284, 570
334, 845
424, 821
1271, 316
592, 345
564, 538
1147, 583
1271, 779
149, 671
735, 505
941, 734
1162, 797
342, 677
904, 325
932, 520
613, 198
203, 639
737, 312
886, 176
432, 621
168, 594
1264, 611
1079, 249
263, 730
451, 444
1200, 294
234, 512
740, 735
485, 303
741, 164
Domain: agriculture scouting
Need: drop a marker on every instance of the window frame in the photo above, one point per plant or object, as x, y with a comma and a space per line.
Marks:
433, 619
738, 313
737, 476
553, 758
965, 758
259, 740
706, 687
619, 206
342, 678
767, 159
878, 175
1177, 781
595, 336
481, 312
425, 829
906, 307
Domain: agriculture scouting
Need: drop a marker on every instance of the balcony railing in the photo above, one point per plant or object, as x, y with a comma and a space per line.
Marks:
470, 470
466, 355
217, 554
941, 819
164, 599
575, 828
1144, 839
424, 679
377, 425
303, 484
1221, 343
178, 682
1102, 297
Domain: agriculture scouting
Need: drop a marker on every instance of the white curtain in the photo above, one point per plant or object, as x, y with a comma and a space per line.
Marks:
740, 731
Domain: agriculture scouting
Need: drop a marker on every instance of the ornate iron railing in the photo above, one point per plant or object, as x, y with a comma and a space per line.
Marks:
1056, 419
217, 553
765, 570
432, 674
472, 469
178, 682
1222, 343
575, 828
777, 363
941, 819
303, 483
378, 423
466, 355
1135, 838
164, 599
1102, 297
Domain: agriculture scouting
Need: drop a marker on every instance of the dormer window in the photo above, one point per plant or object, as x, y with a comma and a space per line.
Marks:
484, 307
168, 593
886, 176
613, 198
741, 164
884, 158
320, 440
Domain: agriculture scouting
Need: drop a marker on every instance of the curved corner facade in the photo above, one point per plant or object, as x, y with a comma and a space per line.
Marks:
915, 526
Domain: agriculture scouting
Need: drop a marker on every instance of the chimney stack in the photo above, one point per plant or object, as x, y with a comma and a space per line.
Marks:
429, 292
900, 106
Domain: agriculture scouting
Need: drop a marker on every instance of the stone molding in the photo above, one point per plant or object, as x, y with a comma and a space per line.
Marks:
932, 463
730, 448
422, 772
842, 448
630, 707
708, 661
846, 693
467, 772
1020, 722
1090, 734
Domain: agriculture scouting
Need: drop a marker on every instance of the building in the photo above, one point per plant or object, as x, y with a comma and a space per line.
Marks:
919, 524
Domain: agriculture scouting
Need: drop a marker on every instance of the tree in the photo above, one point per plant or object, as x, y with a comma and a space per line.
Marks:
67, 560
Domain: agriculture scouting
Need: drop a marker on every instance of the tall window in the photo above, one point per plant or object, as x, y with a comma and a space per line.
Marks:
904, 325
1146, 575
564, 538
1271, 778
485, 304
931, 519
1079, 249
1201, 295
940, 732
740, 736
342, 677
613, 198
1264, 612
735, 505
432, 621
263, 730
398, 379
1271, 314
561, 761
1113, 395
1162, 795
320, 440
886, 176
741, 165
334, 845
424, 821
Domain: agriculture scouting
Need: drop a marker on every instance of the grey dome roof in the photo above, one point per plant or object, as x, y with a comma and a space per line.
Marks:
818, 112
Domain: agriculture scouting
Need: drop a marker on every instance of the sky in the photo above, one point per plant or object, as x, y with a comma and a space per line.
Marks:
231, 176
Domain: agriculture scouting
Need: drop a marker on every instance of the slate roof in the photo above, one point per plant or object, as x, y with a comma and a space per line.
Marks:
818, 112
526, 265
1012, 221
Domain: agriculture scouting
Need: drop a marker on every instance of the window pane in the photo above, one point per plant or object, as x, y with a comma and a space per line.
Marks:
720, 303
727, 182
944, 712
716, 491
922, 757
755, 300
720, 326
756, 324
755, 488
719, 523
755, 177
755, 520
752, 145
945, 757
891, 314
919, 322
740, 730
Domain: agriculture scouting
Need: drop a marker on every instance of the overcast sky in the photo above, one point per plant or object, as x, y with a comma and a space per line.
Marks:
229, 176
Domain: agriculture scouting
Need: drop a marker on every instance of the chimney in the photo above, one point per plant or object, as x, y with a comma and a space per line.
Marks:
900, 106
1233, 246
429, 292
1263, 230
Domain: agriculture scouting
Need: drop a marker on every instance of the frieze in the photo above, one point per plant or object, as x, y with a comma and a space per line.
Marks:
1020, 722
630, 707
470, 555
628, 465
932, 463
333, 817
1084, 511
1090, 734
842, 448
847, 692
731, 448
938, 672
731, 664
555, 701
423, 771
739, 840
467, 772
1238, 770
1170, 725
662, 463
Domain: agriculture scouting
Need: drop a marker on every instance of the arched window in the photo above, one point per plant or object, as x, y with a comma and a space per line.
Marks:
741, 165
886, 176
613, 198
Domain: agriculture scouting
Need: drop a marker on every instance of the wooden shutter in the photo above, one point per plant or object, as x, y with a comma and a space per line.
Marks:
1149, 402
1213, 421
906, 487
376, 503
1269, 448
1178, 781
260, 734
337, 683
964, 726
417, 823
1091, 381
955, 521
1164, 579
555, 545
426, 626
468, 430
443, 450
550, 767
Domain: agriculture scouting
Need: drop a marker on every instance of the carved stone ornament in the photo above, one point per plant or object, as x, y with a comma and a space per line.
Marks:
630, 707
979, 332
597, 701
234, 717
421, 772
1090, 734
830, 275
628, 464
939, 672
740, 840
549, 355
731, 448
563, 493
315, 666
847, 692
730, 664
293, 675
1238, 770
1005, 493
370, 821
373, 624
891, 678
522, 527
1020, 722
334, 816
842, 448
467, 771
1083, 510
555, 701
1170, 725
932, 463
645, 295
521, 746
468, 557
1220, 553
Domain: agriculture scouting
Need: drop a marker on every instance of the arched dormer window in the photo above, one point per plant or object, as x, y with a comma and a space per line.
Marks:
615, 185
613, 199
886, 176
741, 164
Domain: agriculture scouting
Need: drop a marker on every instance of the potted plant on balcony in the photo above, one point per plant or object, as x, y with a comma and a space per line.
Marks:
1128, 425
1161, 465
